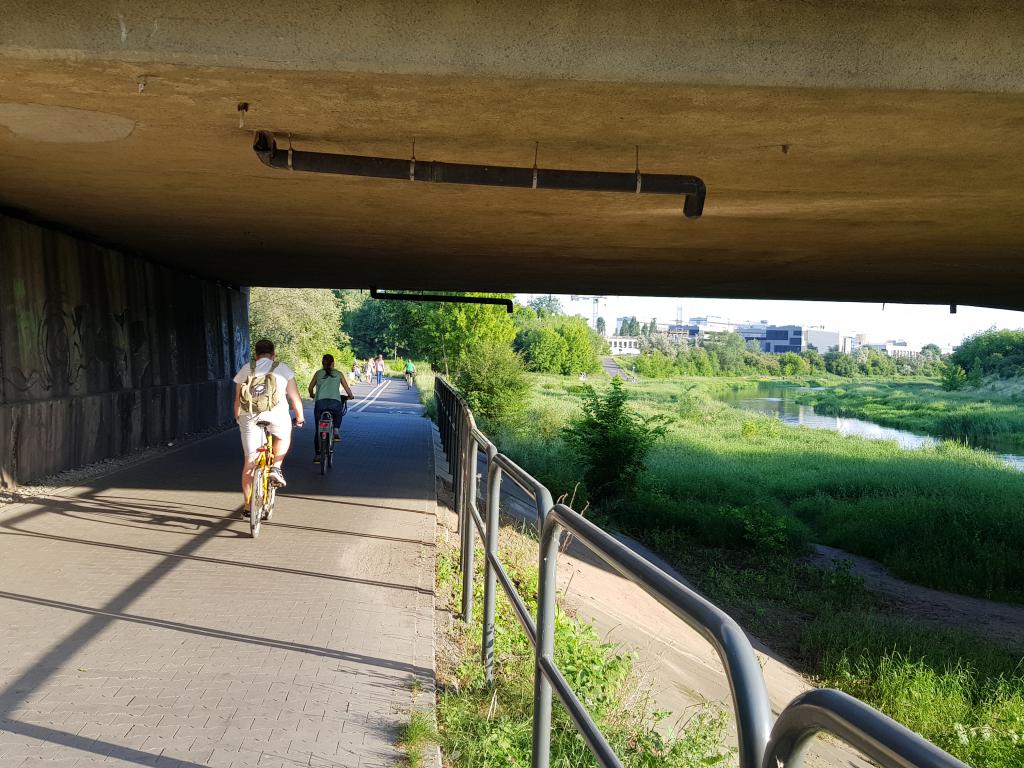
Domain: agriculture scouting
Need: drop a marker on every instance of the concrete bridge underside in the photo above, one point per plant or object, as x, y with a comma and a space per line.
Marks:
863, 152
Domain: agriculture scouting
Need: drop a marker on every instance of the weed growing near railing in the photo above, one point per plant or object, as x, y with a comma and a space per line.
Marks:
489, 725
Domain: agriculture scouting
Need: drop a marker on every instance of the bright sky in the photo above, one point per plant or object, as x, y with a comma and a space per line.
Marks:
918, 324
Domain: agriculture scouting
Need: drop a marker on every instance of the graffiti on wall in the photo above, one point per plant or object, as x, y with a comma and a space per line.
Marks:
62, 344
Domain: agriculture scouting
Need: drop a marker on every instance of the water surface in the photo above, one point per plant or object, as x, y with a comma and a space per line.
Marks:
780, 401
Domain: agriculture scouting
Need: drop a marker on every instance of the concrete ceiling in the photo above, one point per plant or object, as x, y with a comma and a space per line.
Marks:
874, 153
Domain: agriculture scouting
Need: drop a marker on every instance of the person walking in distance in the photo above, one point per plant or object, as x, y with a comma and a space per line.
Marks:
263, 391
379, 367
325, 388
357, 373
369, 370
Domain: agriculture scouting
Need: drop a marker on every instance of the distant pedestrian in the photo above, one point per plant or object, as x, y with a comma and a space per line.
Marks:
379, 366
357, 372
369, 369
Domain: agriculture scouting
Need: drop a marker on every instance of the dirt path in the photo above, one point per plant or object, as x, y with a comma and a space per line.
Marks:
988, 619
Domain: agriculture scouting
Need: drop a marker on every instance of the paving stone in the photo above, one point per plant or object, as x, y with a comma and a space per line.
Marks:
141, 624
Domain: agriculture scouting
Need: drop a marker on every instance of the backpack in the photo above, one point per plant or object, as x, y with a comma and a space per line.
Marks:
259, 393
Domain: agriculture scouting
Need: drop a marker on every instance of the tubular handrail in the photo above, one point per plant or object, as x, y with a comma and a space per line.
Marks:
880, 738
760, 744
746, 682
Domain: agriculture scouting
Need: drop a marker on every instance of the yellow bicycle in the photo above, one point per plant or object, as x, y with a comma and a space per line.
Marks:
263, 492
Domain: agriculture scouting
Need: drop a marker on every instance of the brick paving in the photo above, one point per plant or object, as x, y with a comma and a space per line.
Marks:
140, 625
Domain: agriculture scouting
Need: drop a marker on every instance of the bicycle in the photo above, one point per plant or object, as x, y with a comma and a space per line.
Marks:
263, 492
325, 435
325, 428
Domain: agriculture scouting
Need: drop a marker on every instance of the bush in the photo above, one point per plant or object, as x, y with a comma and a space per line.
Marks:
492, 379
953, 378
612, 441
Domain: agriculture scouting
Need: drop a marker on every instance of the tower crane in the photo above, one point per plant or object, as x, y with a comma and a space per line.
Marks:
595, 299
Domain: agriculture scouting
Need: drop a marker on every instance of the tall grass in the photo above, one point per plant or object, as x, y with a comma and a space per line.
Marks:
947, 517
733, 499
985, 418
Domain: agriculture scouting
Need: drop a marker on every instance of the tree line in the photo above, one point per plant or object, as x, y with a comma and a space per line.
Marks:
729, 354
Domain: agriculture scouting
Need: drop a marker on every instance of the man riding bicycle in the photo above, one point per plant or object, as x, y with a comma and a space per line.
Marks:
325, 388
410, 372
263, 391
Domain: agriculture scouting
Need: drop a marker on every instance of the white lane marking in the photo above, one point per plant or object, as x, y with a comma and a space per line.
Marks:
355, 407
372, 398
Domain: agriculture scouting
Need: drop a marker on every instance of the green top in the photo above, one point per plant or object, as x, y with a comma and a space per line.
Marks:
409, 367
328, 387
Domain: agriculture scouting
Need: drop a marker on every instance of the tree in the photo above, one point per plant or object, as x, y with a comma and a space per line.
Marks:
546, 306
954, 377
580, 355
840, 363
931, 350
793, 364
814, 360
303, 323
444, 332
601, 327
491, 378
613, 441
544, 350
380, 327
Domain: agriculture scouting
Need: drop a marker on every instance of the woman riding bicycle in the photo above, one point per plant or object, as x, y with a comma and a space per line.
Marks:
326, 388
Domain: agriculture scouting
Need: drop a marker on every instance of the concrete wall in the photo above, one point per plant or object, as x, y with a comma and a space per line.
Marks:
102, 353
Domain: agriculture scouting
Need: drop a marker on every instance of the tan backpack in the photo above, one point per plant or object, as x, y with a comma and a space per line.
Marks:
259, 393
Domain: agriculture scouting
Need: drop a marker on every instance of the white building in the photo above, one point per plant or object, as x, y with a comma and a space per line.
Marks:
624, 345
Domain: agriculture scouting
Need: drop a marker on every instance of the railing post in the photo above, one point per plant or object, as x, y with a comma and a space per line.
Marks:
469, 467
491, 548
467, 493
546, 587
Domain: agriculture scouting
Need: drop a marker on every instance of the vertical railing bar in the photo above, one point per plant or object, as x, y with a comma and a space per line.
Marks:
541, 754
491, 545
468, 468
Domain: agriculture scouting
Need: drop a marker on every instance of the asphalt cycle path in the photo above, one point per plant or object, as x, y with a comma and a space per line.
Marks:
141, 625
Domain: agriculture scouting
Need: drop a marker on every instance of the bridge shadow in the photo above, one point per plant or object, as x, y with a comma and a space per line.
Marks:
166, 504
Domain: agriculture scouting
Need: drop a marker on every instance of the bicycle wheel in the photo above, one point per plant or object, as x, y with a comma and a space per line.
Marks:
330, 452
259, 498
271, 498
324, 448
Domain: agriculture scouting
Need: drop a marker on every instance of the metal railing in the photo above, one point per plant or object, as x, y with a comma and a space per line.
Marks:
761, 743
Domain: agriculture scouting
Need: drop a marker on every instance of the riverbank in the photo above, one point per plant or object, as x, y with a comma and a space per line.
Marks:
734, 499
982, 417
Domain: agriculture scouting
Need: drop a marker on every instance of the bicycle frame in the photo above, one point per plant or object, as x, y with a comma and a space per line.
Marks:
261, 493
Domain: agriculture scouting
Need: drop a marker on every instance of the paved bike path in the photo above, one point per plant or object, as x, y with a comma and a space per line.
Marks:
140, 625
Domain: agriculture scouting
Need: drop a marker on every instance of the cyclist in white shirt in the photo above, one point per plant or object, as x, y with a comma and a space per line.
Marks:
279, 420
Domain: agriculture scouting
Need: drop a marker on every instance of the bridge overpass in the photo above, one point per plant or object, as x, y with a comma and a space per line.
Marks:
860, 152
863, 152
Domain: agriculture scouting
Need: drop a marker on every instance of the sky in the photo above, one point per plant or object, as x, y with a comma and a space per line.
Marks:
917, 324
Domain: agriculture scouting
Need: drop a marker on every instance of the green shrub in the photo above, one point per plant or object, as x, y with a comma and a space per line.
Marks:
492, 379
612, 441
954, 377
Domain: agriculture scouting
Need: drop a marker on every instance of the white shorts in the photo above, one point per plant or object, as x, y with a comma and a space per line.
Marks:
280, 421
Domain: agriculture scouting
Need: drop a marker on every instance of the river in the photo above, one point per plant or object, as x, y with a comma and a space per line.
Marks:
780, 402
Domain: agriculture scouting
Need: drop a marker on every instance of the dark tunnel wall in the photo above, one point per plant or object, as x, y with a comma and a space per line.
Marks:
102, 353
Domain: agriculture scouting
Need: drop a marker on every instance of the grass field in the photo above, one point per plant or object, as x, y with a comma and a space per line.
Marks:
733, 498
987, 417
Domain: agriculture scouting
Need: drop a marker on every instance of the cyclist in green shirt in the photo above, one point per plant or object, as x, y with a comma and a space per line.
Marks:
410, 371
326, 387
